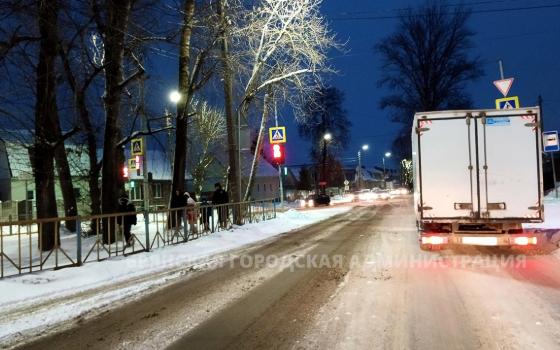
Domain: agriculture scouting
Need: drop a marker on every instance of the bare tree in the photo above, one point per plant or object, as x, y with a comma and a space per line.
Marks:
112, 21
426, 63
227, 78
179, 162
46, 121
208, 132
280, 47
79, 88
17, 45
195, 69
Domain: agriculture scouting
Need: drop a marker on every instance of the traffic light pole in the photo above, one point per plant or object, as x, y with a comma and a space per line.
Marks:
279, 166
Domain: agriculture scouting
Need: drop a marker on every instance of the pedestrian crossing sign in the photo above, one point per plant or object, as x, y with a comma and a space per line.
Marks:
136, 146
507, 103
277, 134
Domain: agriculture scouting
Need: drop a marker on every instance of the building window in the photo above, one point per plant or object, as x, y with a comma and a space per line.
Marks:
270, 187
137, 193
157, 190
264, 187
258, 188
30, 195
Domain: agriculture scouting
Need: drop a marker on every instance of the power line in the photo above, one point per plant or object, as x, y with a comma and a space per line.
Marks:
345, 13
510, 9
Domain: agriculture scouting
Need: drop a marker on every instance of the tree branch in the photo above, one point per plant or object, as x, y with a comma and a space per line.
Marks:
141, 133
283, 77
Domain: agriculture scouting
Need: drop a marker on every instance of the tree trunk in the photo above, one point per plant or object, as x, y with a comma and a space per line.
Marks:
46, 123
258, 150
113, 156
180, 157
91, 139
66, 186
233, 175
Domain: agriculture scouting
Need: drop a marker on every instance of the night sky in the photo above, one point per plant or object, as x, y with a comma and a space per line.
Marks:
527, 40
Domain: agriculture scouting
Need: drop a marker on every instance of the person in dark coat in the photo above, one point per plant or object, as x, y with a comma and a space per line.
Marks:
178, 200
125, 206
221, 197
206, 214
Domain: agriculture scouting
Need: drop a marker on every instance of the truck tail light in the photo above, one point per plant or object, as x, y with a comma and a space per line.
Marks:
434, 240
525, 240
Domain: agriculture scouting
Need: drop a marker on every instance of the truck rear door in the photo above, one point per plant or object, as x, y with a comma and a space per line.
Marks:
509, 165
446, 171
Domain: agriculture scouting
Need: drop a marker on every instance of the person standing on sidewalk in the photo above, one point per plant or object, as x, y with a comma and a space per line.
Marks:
221, 198
127, 220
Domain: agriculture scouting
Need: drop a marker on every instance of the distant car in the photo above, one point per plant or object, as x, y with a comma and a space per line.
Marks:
366, 195
383, 194
315, 200
399, 191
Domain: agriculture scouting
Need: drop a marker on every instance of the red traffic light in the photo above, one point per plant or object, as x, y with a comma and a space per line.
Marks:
278, 154
125, 172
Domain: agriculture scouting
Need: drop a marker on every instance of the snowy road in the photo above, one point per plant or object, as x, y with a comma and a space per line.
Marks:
357, 280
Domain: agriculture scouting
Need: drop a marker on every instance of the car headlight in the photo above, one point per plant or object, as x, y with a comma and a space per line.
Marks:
311, 203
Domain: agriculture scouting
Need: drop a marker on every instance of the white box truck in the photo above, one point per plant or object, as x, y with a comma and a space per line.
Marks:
477, 176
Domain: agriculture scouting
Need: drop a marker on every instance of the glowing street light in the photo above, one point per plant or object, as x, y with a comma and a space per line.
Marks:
386, 155
364, 148
175, 96
326, 139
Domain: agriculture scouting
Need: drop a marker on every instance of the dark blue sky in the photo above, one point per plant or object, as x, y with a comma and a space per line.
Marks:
528, 42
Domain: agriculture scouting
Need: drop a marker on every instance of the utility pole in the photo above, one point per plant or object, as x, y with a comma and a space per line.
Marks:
144, 127
501, 69
279, 166
359, 170
384, 176
551, 153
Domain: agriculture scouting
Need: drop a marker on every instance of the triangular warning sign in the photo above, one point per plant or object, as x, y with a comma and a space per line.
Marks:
508, 105
137, 148
504, 85
277, 136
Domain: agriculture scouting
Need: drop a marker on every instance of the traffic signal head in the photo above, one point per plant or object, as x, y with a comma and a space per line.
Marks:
278, 155
125, 172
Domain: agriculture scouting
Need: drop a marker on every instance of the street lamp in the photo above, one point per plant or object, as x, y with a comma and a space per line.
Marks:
364, 148
326, 139
386, 155
175, 96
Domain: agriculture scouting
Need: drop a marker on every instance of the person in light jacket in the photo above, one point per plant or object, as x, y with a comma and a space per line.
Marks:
192, 212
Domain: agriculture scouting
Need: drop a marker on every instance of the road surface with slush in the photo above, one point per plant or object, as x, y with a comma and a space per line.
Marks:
355, 281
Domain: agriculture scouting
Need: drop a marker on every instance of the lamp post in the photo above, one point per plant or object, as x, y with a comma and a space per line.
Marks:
364, 148
326, 139
386, 155
174, 97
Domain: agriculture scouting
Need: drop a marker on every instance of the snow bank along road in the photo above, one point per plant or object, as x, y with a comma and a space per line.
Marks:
357, 280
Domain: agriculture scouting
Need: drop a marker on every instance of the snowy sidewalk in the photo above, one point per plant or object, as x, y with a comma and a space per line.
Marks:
50, 297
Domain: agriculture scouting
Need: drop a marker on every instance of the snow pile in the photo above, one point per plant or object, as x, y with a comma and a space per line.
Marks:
34, 289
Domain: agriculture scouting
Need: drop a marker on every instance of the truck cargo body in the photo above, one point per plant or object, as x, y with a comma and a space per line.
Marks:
477, 173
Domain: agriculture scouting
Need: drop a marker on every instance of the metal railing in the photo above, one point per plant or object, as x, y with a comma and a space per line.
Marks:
34, 245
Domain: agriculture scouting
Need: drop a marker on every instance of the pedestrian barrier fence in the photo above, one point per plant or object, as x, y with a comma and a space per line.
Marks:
40, 244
